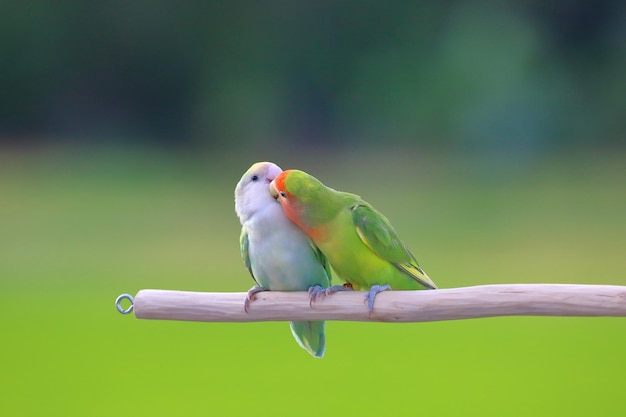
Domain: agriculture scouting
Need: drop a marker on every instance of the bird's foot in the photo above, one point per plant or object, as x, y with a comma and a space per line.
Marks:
315, 293
336, 288
371, 295
250, 296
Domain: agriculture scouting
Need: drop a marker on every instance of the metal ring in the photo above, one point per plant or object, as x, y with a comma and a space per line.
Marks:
118, 303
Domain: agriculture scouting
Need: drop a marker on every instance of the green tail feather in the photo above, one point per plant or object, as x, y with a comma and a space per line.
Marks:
310, 335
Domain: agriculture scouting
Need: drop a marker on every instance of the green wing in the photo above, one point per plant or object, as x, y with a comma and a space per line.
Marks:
323, 261
243, 245
377, 233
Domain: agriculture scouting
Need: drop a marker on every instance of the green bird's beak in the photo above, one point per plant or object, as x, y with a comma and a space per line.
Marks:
273, 190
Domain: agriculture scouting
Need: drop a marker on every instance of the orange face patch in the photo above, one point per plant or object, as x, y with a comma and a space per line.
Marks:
286, 201
279, 182
293, 208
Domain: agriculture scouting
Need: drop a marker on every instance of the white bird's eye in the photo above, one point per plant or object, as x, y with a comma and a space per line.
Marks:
255, 178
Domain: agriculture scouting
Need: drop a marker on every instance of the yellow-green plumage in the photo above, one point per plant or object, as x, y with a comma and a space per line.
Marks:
358, 241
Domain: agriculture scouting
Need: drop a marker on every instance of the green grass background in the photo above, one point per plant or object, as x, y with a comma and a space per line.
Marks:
78, 228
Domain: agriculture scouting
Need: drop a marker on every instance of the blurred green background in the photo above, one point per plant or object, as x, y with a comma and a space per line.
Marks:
489, 133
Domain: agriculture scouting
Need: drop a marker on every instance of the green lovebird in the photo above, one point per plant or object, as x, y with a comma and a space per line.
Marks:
360, 243
278, 254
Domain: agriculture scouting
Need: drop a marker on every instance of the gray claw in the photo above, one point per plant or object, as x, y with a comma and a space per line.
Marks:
371, 295
250, 296
315, 293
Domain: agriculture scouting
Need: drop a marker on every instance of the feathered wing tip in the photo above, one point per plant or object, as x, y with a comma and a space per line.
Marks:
417, 274
426, 280
310, 335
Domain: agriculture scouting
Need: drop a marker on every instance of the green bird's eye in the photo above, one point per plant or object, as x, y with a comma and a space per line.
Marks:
283, 195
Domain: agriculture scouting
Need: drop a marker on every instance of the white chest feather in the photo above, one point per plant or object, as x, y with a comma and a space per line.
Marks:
281, 255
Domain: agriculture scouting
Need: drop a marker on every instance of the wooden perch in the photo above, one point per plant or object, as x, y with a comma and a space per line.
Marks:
390, 306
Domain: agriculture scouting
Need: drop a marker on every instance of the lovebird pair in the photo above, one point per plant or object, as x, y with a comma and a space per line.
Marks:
293, 226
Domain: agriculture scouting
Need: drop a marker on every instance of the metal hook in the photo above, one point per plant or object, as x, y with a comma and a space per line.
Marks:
118, 303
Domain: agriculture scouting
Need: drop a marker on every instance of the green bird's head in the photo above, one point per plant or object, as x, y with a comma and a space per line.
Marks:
305, 200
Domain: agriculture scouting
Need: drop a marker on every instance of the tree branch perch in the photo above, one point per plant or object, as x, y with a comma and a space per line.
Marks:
391, 306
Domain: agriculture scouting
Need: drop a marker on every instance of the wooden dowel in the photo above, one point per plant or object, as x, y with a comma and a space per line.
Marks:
390, 306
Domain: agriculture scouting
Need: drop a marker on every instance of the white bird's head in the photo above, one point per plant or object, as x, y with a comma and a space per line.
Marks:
252, 193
